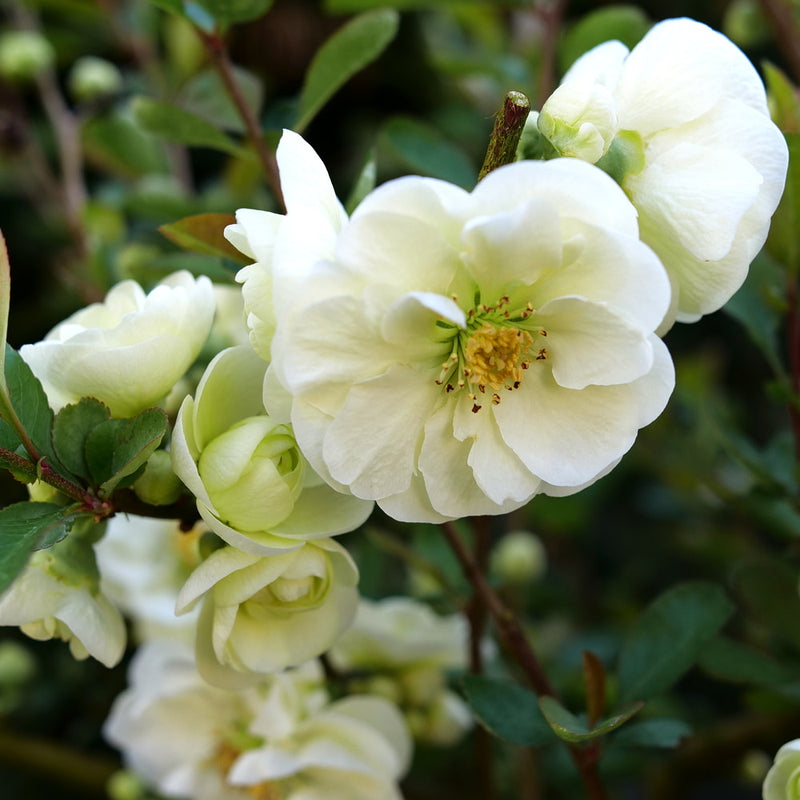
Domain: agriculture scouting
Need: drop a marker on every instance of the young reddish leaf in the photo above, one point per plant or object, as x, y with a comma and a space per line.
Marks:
595, 676
202, 233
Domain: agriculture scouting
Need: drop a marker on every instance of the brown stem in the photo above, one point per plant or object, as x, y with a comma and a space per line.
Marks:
784, 26
549, 15
515, 641
222, 64
508, 125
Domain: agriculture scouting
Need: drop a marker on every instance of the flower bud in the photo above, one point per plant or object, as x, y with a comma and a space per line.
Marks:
519, 557
783, 779
17, 665
93, 78
24, 55
158, 485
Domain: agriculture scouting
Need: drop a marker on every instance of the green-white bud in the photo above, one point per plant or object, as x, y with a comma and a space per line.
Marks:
125, 785
519, 557
17, 665
24, 55
92, 78
158, 485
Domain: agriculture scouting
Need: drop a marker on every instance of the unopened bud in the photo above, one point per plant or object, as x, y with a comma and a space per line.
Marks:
158, 485
519, 557
93, 78
24, 55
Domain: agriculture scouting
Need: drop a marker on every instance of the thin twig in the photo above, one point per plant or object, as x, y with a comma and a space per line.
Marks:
550, 16
222, 64
513, 637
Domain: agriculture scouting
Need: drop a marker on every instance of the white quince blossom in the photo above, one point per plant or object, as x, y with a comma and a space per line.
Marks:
460, 352
405, 648
281, 739
262, 614
302, 236
143, 563
783, 779
58, 596
683, 124
253, 486
129, 350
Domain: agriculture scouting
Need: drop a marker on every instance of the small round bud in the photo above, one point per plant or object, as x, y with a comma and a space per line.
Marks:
519, 557
92, 78
17, 665
24, 55
383, 686
158, 485
422, 685
125, 785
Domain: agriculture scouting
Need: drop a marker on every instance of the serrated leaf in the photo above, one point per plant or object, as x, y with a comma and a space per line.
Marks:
24, 527
571, 728
783, 244
653, 733
202, 233
349, 50
768, 588
668, 637
117, 448
427, 152
507, 710
71, 428
206, 96
728, 660
229, 12
30, 403
176, 125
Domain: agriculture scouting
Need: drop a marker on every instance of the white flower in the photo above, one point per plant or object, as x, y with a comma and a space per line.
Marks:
461, 352
253, 486
143, 563
57, 596
695, 150
783, 779
281, 739
262, 614
405, 648
305, 234
129, 350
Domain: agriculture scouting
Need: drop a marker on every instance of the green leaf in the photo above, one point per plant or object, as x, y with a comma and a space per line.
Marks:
71, 428
117, 448
365, 182
668, 637
626, 23
783, 99
507, 711
783, 244
229, 12
728, 660
173, 6
349, 50
202, 233
355, 6
25, 527
116, 144
653, 733
571, 728
30, 403
426, 151
768, 589
5, 300
206, 96
177, 125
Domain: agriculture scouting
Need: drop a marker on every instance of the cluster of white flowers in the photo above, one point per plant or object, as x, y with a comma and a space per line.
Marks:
443, 353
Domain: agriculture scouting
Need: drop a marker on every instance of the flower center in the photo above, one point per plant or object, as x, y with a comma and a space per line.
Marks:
266, 790
493, 352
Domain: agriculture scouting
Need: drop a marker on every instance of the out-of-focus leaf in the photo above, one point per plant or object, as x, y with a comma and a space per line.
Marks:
768, 588
71, 427
116, 144
117, 448
783, 100
571, 728
626, 23
176, 125
173, 6
5, 300
349, 50
206, 96
354, 6
426, 151
365, 183
783, 243
653, 733
759, 306
229, 12
594, 675
202, 233
668, 637
25, 527
728, 660
507, 711
158, 267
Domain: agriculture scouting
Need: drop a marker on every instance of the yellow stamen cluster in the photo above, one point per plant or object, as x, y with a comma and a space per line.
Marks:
494, 357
